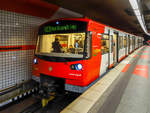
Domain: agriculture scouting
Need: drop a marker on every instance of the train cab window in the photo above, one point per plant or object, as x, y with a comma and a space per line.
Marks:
105, 44
61, 45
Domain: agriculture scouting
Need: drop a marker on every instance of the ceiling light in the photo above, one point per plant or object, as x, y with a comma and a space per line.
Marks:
134, 4
139, 15
137, 12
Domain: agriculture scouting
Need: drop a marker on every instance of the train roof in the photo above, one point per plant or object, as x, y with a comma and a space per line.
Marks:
87, 20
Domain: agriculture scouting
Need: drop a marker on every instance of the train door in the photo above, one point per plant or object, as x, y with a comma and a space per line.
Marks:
136, 42
133, 43
128, 44
104, 53
110, 50
125, 45
115, 48
121, 49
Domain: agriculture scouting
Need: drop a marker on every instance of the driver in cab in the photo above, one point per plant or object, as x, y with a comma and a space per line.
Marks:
56, 46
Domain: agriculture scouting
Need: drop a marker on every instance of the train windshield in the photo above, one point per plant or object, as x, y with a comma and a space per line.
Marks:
69, 45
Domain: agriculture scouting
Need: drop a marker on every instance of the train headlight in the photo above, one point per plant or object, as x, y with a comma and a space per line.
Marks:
57, 22
35, 61
78, 66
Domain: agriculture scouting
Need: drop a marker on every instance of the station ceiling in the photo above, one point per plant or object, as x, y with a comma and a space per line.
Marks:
116, 13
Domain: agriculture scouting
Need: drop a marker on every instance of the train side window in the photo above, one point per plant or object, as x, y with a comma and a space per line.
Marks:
112, 43
125, 42
105, 44
130, 41
120, 42
133, 41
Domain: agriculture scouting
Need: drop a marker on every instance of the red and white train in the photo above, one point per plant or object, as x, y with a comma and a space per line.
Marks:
73, 53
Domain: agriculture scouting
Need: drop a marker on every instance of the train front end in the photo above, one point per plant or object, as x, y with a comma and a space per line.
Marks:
62, 50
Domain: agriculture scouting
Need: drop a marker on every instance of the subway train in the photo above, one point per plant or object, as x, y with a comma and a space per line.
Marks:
73, 53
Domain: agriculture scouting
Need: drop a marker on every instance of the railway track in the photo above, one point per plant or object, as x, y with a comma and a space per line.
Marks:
55, 106
33, 108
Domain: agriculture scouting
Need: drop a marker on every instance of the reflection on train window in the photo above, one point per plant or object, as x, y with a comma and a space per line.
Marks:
105, 44
61, 45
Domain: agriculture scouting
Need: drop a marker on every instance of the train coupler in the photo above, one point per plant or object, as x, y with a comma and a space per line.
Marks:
45, 101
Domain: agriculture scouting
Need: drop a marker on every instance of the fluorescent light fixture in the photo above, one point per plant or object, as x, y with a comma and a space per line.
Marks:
139, 15
134, 4
137, 12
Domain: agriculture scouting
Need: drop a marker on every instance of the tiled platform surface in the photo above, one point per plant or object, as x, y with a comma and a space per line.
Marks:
136, 97
125, 89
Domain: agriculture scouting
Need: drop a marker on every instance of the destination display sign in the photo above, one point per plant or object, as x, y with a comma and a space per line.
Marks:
63, 26
60, 28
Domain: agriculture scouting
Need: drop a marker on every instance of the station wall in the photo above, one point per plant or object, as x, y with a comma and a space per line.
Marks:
17, 42
18, 33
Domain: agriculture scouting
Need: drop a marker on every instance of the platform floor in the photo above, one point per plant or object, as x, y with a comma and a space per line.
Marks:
132, 93
128, 90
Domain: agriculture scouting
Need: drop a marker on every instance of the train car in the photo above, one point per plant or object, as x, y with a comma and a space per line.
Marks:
73, 53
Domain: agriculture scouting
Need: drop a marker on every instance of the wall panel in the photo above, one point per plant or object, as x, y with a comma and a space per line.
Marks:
16, 30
